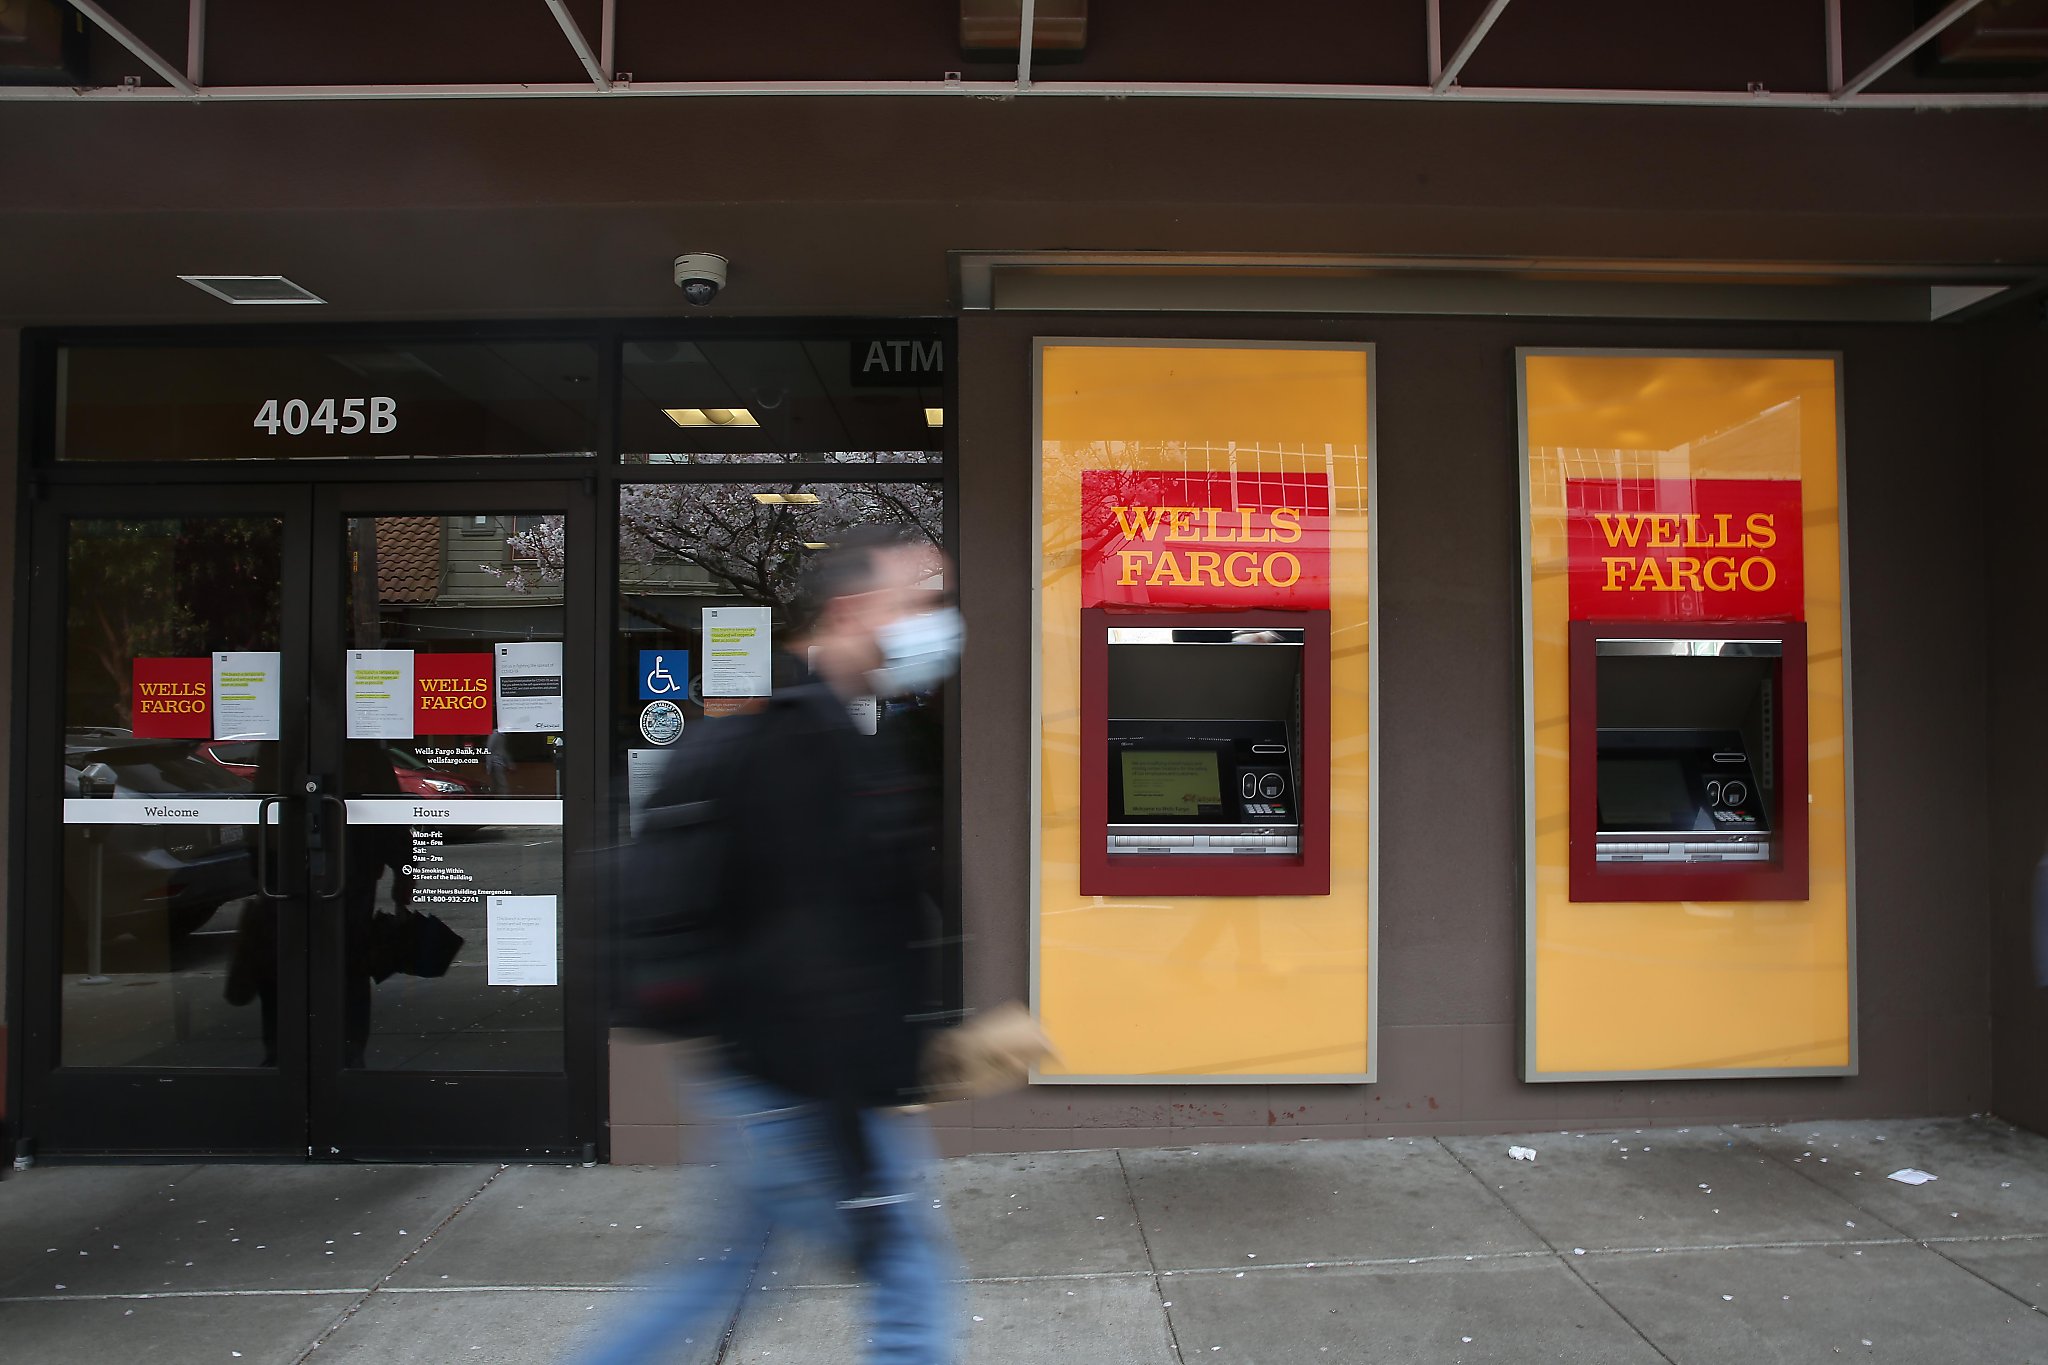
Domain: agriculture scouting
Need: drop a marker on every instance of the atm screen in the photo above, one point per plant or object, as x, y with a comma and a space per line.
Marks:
1645, 793
1170, 782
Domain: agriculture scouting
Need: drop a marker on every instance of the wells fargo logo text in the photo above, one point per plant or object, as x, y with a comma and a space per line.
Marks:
171, 698
1719, 551
1161, 541
454, 694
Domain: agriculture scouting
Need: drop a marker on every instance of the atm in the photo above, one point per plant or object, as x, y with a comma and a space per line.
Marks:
1205, 753
1688, 761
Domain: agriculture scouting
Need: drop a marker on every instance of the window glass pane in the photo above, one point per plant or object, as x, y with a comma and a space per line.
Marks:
714, 568
169, 956
454, 792
341, 401
844, 400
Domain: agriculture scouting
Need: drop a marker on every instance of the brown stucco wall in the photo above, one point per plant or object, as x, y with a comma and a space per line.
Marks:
1450, 962
1450, 954
2016, 493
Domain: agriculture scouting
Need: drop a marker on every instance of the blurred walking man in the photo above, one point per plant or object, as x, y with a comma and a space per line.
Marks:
805, 850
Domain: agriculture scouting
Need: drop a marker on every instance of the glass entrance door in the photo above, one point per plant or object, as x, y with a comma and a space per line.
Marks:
308, 765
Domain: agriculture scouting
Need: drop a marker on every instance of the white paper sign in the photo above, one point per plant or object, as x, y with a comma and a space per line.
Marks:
530, 687
245, 694
519, 941
643, 775
379, 693
739, 649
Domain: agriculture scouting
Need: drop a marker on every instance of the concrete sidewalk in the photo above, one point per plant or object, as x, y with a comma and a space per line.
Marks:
1678, 1245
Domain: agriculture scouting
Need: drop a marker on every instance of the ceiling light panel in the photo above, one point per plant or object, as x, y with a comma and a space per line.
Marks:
710, 417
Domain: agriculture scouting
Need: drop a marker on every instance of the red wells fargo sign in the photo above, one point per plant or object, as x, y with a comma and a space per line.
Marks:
172, 699
1159, 538
1685, 549
451, 694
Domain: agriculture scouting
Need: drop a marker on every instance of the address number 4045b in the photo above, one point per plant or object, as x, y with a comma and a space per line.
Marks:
294, 416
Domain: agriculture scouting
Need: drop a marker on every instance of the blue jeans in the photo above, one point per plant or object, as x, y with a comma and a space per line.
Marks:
778, 1166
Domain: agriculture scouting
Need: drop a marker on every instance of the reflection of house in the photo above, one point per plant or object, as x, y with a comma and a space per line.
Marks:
448, 579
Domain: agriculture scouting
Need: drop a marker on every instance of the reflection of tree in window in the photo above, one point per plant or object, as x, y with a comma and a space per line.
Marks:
747, 541
173, 589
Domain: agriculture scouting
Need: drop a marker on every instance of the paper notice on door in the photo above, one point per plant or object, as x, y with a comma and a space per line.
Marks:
379, 693
530, 687
520, 941
739, 645
643, 776
245, 694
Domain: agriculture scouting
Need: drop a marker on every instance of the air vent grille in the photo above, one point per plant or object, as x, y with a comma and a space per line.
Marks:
253, 288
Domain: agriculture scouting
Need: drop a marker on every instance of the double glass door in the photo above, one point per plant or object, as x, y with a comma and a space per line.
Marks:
306, 769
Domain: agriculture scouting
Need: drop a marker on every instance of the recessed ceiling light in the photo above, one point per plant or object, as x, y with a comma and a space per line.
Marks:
266, 289
935, 417
710, 417
805, 498
817, 545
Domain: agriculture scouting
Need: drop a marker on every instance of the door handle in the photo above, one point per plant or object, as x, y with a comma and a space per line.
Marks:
337, 849
263, 809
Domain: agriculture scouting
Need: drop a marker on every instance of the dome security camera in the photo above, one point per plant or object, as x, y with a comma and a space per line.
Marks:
700, 275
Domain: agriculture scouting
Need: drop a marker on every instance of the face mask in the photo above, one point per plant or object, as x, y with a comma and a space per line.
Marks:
918, 652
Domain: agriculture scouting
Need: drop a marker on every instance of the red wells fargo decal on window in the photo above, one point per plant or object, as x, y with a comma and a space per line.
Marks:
1685, 550
1158, 538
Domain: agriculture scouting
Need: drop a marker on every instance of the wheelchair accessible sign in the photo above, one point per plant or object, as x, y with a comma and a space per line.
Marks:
664, 674
664, 681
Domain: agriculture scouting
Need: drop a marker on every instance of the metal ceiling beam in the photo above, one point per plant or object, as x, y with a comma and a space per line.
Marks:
607, 46
1003, 89
599, 77
1027, 31
1834, 27
1917, 39
195, 43
1449, 75
1433, 24
142, 51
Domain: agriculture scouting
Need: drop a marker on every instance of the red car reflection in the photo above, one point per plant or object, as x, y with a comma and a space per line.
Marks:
416, 776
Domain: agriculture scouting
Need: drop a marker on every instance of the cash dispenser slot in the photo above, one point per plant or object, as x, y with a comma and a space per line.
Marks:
1688, 762
1205, 753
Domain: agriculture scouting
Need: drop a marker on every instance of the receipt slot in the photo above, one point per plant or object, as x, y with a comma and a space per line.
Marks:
1205, 753
1688, 762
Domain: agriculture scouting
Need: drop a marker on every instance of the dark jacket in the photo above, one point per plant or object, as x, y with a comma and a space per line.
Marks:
822, 845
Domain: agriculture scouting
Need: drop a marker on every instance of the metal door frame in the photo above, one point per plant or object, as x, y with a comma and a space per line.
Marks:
243, 1110
351, 1113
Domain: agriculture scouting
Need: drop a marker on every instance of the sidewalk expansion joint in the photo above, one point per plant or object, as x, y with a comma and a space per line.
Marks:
1566, 1261
341, 1319
1145, 1241
1932, 1245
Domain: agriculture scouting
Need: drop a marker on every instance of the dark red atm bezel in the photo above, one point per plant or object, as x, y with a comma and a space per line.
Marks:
1785, 877
1197, 875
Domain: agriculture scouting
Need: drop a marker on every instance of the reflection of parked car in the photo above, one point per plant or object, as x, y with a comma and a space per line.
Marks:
183, 873
416, 776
